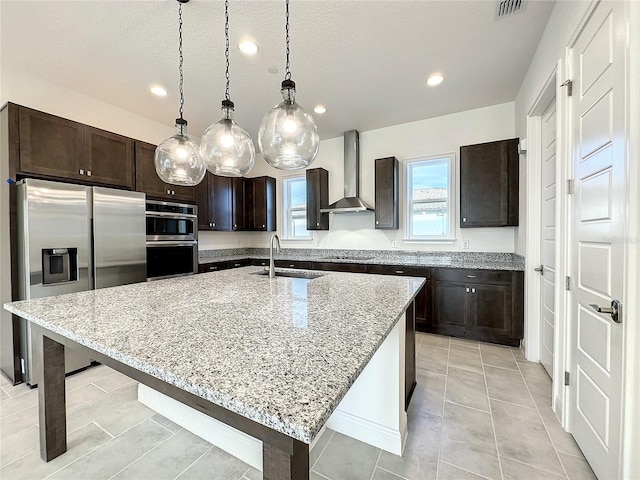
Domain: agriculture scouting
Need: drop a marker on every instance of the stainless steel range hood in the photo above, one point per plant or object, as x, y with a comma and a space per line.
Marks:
351, 203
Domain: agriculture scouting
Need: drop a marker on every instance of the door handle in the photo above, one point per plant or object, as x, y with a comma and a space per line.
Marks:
615, 310
540, 269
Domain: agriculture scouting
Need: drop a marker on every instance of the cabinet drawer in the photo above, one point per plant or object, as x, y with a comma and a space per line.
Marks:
211, 267
292, 264
404, 270
472, 276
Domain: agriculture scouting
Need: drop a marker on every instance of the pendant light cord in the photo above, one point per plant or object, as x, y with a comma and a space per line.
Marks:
287, 76
181, 59
226, 52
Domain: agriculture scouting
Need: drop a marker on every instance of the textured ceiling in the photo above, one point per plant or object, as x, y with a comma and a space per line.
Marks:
366, 61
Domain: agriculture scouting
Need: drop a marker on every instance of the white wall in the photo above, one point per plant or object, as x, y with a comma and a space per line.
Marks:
563, 21
411, 140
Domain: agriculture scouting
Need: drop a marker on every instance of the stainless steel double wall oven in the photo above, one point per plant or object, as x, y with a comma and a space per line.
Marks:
172, 239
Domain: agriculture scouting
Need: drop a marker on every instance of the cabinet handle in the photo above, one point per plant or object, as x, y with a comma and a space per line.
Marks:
467, 289
399, 271
473, 290
213, 224
168, 192
471, 276
292, 265
88, 173
236, 264
81, 172
262, 226
317, 224
173, 192
464, 219
377, 222
210, 224
213, 268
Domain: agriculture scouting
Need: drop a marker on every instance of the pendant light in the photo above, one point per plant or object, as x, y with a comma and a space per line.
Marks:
177, 159
288, 136
226, 147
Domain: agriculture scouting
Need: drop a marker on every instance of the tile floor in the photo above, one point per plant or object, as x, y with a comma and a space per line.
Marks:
479, 411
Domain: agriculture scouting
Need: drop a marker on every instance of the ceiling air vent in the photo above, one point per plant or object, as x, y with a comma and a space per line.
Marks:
505, 8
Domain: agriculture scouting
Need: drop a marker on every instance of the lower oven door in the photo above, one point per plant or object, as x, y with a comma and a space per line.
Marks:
171, 259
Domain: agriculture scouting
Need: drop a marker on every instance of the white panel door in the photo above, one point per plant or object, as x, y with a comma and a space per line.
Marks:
548, 238
597, 246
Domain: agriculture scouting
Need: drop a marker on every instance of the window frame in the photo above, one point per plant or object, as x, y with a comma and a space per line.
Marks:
287, 210
450, 232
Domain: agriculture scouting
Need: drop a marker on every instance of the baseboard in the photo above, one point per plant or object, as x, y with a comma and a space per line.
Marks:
369, 432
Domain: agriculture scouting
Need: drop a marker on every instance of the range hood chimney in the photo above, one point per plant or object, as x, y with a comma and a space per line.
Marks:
351, 202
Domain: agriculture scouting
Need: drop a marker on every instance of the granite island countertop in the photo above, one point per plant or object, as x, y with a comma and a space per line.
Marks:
471, 260
282, 352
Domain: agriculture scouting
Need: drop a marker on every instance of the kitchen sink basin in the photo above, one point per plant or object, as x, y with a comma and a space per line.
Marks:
293, 274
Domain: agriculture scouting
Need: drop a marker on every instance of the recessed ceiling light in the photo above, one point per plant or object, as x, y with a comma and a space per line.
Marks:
158, 90
320, 109
248, 47
435, 79
273, 69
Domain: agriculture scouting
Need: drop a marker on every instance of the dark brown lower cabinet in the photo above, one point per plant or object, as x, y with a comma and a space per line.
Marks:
224, 265
484, 305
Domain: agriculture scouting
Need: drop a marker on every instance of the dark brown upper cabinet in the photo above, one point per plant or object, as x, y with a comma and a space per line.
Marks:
261, 203
52, 146
387, 193
238, 207
148, 182
489, 184
214, 203
317, 198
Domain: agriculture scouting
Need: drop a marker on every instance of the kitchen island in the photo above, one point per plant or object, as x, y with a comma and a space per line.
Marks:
270, 357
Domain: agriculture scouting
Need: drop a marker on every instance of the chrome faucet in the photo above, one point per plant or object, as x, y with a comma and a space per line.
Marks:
272, 270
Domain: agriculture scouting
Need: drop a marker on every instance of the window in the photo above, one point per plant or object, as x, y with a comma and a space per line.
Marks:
430, 207
294, 195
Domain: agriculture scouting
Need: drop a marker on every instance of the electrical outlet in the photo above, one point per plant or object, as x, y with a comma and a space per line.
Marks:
393, 244
465, 244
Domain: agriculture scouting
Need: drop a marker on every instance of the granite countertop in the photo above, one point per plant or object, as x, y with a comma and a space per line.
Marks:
282, 352
472, 260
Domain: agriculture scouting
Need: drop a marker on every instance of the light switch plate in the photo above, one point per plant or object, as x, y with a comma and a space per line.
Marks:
465, 244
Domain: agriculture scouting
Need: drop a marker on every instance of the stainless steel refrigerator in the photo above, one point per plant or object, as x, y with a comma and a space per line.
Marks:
73, 238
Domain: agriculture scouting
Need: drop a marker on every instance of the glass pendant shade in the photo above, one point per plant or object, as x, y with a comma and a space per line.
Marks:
177, 159
226, 147
288, 136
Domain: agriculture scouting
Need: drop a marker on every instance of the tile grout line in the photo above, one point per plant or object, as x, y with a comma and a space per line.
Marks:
171, 432
533, 466
526, 384
100, 427
392, 473
444, 406
465, 470
98, 387
141, 456
493, 424
373, 473
323, 449
194, 462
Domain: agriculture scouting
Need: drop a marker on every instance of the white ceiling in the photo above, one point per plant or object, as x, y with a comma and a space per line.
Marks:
366, 61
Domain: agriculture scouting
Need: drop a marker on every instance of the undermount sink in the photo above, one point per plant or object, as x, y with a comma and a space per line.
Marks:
293, 274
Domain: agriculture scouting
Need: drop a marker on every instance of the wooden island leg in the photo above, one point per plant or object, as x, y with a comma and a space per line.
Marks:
51, 400
280, 465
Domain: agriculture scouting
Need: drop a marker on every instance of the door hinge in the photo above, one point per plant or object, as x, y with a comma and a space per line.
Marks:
569, 85
566, 378
570, 184
567, 285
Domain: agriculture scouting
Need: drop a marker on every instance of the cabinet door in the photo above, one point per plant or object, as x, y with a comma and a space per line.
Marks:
257, 194
409, 355
490, 311
147, 180
423, 307
238, 208
386, 192
108, 158
489, 184
317, 198
220, 202
51, 145
450, 308
203, 192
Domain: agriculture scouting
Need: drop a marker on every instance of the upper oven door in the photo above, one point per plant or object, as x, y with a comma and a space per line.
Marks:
168, 226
